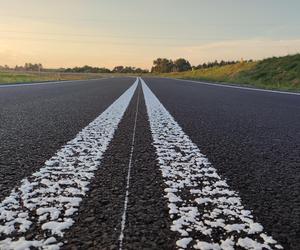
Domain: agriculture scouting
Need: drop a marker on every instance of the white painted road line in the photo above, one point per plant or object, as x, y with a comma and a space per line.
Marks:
45, 202
123, 222
237, 87
205, 212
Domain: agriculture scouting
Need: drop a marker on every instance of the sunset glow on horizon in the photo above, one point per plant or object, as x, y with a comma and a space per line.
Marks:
134, 33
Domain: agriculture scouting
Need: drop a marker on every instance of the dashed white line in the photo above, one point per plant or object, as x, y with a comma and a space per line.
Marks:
44, 203
205, 212
123, 222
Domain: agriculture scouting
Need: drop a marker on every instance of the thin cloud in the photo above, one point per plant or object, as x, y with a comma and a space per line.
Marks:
248, 49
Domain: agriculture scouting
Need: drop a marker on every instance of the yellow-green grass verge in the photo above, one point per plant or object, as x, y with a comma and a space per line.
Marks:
23, 77
281, 73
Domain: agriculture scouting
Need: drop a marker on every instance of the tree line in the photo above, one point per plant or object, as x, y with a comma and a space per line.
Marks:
117, 69
164, 65
26, 67
160, 65
83, 69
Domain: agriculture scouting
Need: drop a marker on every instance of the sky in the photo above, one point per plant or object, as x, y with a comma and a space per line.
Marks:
106, 33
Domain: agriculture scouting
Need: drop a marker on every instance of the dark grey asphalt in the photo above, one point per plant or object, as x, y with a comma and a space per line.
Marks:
36, 120
253, 139
98, 223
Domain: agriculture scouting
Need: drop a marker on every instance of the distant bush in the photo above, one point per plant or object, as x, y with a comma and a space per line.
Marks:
86, 69
122, 69
218, 63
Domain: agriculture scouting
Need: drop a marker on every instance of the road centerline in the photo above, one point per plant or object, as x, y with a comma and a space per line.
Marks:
124, 215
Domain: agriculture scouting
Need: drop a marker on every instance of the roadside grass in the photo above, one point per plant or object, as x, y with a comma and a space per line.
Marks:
281, 73
23, 77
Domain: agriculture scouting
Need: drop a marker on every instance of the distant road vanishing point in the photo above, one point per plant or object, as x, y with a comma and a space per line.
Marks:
148, 163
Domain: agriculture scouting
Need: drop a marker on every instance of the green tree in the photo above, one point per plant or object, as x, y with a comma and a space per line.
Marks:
162, 65
118, 69
181, 64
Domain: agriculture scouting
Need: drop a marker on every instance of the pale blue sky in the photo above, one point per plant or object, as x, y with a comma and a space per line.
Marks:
134, 32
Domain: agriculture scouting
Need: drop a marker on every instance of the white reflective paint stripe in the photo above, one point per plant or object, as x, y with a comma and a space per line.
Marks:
124, 215
49, 197
204, 211
236, 87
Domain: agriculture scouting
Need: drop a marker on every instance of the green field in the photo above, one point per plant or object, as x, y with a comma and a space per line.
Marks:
22, 77
272, 73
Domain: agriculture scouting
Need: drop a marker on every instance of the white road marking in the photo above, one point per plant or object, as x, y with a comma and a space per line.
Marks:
8, 85
205, 212
49, 197
237, 87
123, 222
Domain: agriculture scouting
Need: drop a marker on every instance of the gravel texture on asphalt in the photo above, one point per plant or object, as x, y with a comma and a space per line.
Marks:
98, 223
253, 139
37, 213
36, 120
204, 210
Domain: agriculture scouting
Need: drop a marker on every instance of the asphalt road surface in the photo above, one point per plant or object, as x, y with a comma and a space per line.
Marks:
36, 120
126, 163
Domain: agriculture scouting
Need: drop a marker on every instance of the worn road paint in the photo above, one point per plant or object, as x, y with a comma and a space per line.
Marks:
37, 213
205, 212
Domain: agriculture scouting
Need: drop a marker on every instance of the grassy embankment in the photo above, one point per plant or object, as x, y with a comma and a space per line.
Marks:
272, 73
22, 77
